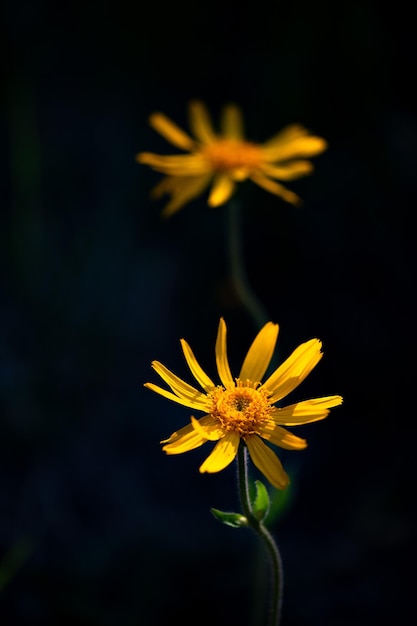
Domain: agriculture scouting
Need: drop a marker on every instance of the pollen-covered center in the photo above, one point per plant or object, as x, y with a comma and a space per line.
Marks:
226, 155
241, 409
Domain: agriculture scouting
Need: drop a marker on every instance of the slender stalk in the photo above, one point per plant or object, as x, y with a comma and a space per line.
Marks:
272, 548
237, 267
240, 280
254, 307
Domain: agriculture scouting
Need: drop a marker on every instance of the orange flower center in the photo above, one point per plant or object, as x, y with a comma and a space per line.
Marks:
225, 155
242, 409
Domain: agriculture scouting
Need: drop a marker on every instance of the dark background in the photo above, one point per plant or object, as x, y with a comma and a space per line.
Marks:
97, 526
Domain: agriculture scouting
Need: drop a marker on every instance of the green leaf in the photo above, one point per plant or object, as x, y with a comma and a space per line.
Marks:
261, 503
235, 520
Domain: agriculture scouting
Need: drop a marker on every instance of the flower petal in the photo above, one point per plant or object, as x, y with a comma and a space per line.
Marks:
223, 453
180, 400
173, 185
307, 146
211, 432
259, 354
273, 187
267, 462
240, 174
175, 164
166, 185
288, 171
223, 188
171, 132
231, 122
187, 441
288, 133
294, 370
200, 122
186, 190
306, 411
206, 420
222, 362
281, 437
196, 370
179, 387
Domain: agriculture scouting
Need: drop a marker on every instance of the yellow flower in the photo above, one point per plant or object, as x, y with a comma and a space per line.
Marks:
227, 158
243, 408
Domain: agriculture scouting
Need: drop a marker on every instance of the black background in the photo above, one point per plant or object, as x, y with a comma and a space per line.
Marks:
97, 525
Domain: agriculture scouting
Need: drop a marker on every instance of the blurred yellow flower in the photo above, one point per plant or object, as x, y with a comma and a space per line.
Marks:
243, 408
227, 158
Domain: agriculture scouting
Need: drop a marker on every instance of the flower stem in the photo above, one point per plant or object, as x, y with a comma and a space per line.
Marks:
239, 278
237, 267
266, 537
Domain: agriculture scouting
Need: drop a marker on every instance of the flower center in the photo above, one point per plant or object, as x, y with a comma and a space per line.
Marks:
242, 409
225, 155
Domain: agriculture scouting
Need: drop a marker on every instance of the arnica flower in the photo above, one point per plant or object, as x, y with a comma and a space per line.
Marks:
243, 408
227, 158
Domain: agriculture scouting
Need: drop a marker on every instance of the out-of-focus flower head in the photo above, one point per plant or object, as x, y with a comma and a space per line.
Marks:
226, 158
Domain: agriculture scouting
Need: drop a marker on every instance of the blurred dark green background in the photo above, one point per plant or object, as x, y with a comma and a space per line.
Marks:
97, 526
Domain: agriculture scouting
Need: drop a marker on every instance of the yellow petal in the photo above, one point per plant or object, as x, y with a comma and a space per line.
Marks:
179, 387
306, 411
241, 173
301, 147
206, 420
259, 354
289, 133
175, 164
184, 192
288, 171
166, 185
174, 184
211, 432
180, 400
198, 373
222, 362
170, 131
223, 188
232, 122
294, 370
222, 455
281, 437
273, 187
187, 442
267, 462
200, 122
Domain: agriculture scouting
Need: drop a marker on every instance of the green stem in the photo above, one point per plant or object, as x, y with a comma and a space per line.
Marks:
240, 281
266, 537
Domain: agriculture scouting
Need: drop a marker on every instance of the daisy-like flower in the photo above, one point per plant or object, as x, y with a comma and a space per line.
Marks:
243, 408
227, 158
